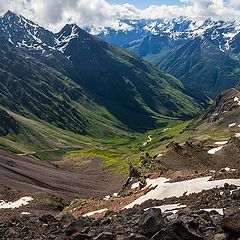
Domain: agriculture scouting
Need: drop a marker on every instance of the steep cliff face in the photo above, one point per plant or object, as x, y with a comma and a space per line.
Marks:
7, 123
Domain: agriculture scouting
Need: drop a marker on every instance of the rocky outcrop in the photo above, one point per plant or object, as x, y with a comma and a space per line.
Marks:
176, 230
151, 222
225, 102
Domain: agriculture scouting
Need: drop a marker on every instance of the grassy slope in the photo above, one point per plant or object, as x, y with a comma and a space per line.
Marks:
196, 130
125, 85
118, 153
42, 140
46, 142
201, 65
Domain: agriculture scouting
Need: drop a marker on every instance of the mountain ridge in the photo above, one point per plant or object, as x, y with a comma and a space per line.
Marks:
84, 85
204, 55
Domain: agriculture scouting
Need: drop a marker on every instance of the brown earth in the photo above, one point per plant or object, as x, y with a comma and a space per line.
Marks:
29, 175
195, 157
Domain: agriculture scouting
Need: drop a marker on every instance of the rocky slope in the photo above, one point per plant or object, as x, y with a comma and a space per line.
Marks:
146, 221
222, 118
228, 101
216, 132
142, 225
19, 174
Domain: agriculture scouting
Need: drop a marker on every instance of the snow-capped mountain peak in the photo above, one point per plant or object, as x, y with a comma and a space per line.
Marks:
181, 28
68, 33
25, 33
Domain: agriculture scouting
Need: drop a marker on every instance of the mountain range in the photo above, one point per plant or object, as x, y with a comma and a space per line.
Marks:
79, 83
202, 54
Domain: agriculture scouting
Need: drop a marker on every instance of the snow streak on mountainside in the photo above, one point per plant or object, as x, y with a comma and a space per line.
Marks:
25, 34
177, 28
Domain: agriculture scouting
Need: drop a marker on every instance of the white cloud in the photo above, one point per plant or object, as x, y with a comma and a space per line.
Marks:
199, 9
53, 14
235, 4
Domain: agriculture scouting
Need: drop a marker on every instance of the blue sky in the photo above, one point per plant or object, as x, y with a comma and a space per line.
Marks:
146, 3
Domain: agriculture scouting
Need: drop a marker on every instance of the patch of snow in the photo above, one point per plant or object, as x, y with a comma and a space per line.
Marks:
231, 125
229, 35
164, 189
214, 150
221, 143
219, 210
121, 26
149, 184
25, 213
95, 212
227, 169
17, 204
135, 185
10, 40
63, 41
237, 135
151, 28
236, 99
166, 129
48, 55
221, 49
168, 208
107, 198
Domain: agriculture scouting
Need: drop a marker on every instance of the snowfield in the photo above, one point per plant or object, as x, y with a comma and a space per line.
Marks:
165, 189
